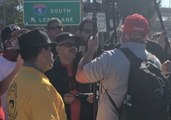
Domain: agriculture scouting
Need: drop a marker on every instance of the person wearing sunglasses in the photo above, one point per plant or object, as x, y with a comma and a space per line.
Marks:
62, 76
54, 28
85, 32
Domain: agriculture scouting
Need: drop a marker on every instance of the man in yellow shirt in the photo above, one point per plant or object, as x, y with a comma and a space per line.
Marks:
31, 96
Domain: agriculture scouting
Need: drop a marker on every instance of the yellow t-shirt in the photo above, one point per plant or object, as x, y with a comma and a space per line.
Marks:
32, 97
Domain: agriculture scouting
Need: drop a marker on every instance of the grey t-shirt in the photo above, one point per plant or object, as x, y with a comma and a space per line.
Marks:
112, 70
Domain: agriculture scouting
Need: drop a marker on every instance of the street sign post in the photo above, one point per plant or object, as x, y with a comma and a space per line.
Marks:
101, 22
39, 12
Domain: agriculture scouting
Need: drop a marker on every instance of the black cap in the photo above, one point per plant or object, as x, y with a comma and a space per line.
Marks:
65, 36
7, 30
34, 39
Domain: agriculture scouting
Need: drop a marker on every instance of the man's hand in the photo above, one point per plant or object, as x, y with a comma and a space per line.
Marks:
93, 44
90, 98
166, 67
19, 62
69, 98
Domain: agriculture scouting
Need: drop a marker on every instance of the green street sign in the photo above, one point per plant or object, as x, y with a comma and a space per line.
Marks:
38, 13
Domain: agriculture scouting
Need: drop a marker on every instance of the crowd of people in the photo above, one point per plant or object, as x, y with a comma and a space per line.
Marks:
52, 74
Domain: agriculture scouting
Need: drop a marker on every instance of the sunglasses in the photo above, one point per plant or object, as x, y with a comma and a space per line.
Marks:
55, 27
68, 44
88, 31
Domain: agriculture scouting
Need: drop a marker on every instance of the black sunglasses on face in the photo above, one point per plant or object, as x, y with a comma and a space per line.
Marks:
55, 27
68, 44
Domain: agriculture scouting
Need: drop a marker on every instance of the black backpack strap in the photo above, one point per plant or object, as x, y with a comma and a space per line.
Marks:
133, 59
112, 101
131, 56
135, 63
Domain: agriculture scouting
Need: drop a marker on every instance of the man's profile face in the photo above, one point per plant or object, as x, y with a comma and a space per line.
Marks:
46, 58
67, 49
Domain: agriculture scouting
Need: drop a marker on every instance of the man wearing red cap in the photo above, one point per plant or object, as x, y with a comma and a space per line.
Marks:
8, 60
112, 67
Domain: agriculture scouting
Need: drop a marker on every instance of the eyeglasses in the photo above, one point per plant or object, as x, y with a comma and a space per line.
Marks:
68, 44
55, 27
88, 31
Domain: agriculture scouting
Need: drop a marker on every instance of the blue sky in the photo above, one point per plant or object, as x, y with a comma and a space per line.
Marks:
165, 3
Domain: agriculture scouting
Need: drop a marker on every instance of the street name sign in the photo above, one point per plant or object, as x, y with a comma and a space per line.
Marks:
39, 12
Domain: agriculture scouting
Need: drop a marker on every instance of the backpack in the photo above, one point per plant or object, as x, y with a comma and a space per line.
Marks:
148, 93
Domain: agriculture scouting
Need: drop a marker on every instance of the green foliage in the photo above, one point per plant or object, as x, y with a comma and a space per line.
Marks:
12, 12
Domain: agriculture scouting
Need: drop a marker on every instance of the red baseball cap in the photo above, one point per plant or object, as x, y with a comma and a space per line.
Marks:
135, 23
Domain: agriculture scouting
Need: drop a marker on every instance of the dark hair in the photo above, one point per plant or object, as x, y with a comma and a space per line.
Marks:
32, 56
87, 20
31, 43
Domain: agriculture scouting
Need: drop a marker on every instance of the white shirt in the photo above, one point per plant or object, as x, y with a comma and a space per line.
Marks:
6, 67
